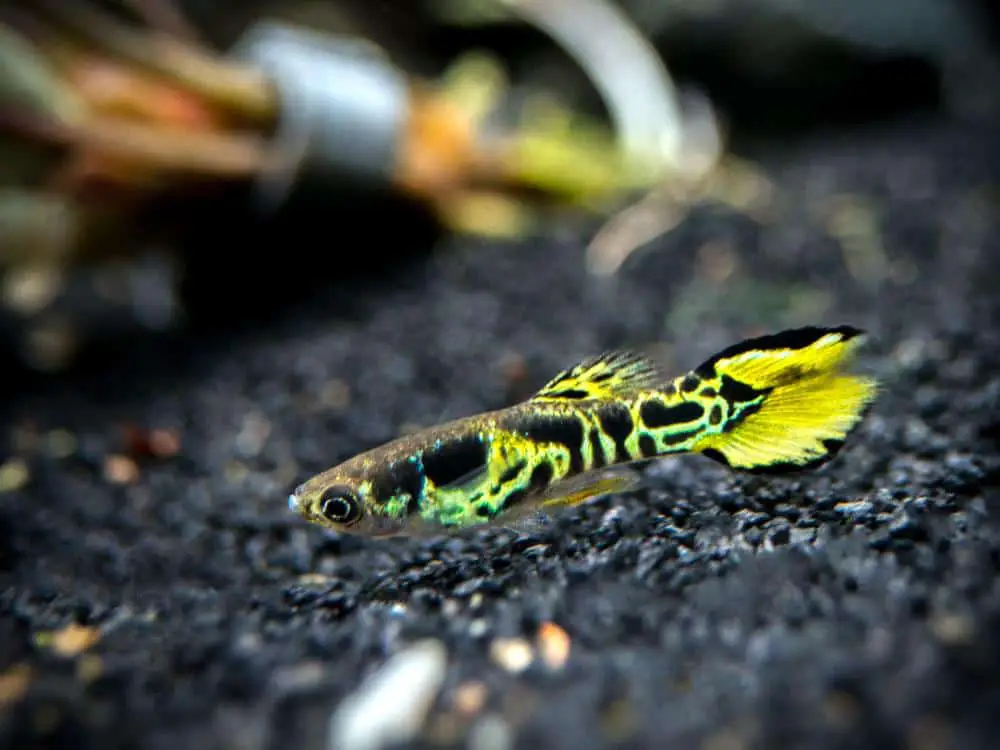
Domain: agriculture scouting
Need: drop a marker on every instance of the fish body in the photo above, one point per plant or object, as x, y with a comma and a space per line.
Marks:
773, 404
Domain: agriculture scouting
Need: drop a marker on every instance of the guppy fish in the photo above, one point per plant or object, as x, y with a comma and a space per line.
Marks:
773, 404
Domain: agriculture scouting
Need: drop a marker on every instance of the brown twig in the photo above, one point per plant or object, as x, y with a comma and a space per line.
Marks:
237, 89
150, 148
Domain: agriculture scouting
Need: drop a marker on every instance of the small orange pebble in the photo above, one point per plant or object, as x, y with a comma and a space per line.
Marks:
120, 469
136, 439
72, 640
164, 443
513, 366
553, 645
516, 375
513, 655
470, 697
159, 442
14, 684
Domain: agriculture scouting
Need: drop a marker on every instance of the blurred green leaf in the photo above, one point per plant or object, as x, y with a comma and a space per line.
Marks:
28, 82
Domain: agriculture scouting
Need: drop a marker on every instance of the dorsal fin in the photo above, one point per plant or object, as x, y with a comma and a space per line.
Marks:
610, 375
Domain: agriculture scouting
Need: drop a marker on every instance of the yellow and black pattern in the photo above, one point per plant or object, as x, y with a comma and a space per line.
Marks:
771, 404
604, 377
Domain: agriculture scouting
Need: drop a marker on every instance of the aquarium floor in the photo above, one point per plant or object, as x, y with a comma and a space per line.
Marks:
171, 600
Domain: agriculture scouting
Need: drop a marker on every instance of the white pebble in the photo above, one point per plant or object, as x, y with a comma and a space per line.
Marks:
490, 733
391, 705
513, 654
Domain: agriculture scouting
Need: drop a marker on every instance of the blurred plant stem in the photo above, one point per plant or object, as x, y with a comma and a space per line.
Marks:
102, 118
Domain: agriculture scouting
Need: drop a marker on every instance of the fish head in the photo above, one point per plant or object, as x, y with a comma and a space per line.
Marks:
344, 500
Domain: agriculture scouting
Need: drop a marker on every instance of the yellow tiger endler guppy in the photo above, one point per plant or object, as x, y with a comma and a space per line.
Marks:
777, 403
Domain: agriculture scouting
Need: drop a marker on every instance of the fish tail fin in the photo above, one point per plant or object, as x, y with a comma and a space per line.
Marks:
790, 404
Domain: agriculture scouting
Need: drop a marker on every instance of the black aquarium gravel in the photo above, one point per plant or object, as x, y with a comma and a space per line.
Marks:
156, 592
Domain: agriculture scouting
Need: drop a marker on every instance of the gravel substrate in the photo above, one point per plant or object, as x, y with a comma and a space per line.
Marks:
170, 600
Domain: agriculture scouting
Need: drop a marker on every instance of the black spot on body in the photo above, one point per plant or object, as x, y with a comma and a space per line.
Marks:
564, 430
716, 415
602, 376
796, 338
455, 460
690, 383
513, 499
833, 446
575, 394
541, 476
708, 392
737, 419
402, 477
617, 424
715, 455
647, 446
597, 449
736, 392
679, 437
510, 474
483, 511
655, 414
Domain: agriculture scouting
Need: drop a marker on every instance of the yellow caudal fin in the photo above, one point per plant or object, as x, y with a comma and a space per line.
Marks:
788, 403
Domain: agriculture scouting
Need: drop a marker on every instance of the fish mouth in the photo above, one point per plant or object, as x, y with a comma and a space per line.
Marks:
294, 503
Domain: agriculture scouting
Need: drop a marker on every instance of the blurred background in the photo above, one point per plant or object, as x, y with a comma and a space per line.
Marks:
174, 165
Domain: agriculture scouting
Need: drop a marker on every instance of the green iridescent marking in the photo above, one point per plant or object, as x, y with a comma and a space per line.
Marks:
484, 495
396, 505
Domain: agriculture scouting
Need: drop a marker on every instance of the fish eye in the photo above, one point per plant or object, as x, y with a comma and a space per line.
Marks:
339, 506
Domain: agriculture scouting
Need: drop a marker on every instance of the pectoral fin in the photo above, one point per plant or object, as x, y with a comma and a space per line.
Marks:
579, 489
